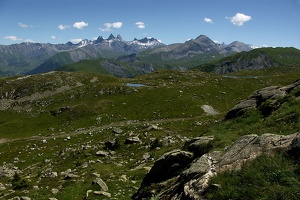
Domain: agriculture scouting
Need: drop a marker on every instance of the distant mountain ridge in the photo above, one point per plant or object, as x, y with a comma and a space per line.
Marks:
33, 58
202, 46
21, 58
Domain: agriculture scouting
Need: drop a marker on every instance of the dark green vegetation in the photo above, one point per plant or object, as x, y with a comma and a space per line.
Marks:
267, 177
58, 121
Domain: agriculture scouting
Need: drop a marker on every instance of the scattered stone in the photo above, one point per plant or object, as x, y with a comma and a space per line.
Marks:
112, 144
48, 173
96, 174
106, 194
123, 178
117, 130
52, 198
84, 165
101, 183
2, 187
102, 153
133, 140
209, 110
150, 127
36, 187
55, 191
71, 176
88, 193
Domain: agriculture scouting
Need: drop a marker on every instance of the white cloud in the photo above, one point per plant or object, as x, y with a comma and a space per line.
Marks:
25, 25
109, 26
208, 20
76, 40
239, 19
12, 38
80, 25
140, 24
29, 40
63, 27
53, 37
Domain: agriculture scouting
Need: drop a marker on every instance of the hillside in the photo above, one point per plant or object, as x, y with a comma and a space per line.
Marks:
255, 59
88, 135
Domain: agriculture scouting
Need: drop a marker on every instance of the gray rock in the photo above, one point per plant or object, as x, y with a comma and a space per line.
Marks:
25, 198
2, 187
240, 108
54, 191
112, 144
71, 176
249, 147
103, 193
199, 145
102, 153
132, 140
117, 130
101, 183
294, 148
192, 179
167, 166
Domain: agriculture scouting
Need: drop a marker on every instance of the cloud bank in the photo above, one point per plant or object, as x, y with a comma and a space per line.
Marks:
63, 27
76, 40
25, 25
12, 38
109, 26
140, 25
80, 25
239, 19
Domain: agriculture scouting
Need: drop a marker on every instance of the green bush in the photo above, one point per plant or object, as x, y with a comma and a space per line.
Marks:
18, 182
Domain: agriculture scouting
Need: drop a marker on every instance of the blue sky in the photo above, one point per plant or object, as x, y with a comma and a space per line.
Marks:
257, 22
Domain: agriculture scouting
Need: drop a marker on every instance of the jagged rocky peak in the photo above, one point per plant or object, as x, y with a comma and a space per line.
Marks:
119, 37
111, 37
99, 40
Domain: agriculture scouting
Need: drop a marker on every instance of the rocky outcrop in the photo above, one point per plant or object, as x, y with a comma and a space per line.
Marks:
185, 175
266, 100
193, 181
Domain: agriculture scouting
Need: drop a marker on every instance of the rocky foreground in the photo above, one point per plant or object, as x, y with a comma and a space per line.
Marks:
185, 173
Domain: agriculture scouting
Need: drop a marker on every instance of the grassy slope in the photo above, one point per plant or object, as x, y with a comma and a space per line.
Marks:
171, 99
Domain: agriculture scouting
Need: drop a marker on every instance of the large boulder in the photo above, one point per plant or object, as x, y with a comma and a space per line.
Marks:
193, 180
265, 99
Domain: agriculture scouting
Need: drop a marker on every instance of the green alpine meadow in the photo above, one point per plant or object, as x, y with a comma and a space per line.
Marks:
82, 132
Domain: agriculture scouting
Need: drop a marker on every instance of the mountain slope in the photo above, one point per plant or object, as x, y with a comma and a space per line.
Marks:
22, 58
201, 49
255, 59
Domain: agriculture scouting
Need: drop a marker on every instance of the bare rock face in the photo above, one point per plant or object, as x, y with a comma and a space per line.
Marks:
265, 99
249, 147
194, 179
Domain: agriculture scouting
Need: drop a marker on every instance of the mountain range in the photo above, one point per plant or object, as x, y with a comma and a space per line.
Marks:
32, 58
